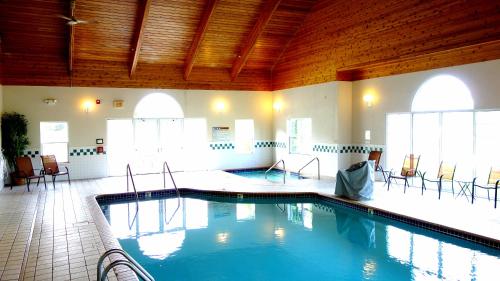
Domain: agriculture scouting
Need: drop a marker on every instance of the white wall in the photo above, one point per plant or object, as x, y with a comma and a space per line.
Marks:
395, 94
329, 107
85, 128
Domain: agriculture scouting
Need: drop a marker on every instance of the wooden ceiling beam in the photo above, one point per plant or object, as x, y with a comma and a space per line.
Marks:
265, 16
198, 37
143, 14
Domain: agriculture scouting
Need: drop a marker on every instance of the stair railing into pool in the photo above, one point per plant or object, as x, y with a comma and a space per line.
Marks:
276, 164
165, 166
129, 173
315, 158
165, 169
128, 261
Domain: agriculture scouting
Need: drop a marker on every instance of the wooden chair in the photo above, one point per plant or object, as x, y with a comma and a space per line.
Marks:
492, 183
375, 156
24, 169
446, 172
50, 167
409, 169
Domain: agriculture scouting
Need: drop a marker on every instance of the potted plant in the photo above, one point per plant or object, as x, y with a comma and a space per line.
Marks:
14, 139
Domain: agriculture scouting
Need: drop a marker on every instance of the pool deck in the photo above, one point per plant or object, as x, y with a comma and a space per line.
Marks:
54, 234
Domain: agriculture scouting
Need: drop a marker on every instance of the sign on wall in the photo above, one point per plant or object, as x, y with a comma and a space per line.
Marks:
220, 133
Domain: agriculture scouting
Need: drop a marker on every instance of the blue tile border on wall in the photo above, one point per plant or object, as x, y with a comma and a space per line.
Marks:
258, 144
73, 151
346, 148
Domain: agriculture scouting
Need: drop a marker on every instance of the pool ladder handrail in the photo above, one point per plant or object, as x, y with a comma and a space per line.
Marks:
129, 173
274, 165
315, 158
165, 165
102, 272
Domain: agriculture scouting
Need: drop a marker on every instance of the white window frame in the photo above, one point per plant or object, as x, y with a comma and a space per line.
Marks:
474, 129
304, 139
65, 158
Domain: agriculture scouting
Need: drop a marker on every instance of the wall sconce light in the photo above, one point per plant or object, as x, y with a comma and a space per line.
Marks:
50, 101
368, 98
277, 106
87, 105
220, 106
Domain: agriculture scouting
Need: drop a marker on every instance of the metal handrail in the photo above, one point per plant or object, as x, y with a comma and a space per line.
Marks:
165, 165
129, 172
275, 164
315, 158
129, 262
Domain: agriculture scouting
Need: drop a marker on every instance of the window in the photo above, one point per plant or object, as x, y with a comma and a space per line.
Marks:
244, 136
442, 93
431, 130
54, 139
299, 132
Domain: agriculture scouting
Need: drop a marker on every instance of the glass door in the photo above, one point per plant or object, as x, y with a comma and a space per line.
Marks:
147, 146
426, 142
458, 142
170, 142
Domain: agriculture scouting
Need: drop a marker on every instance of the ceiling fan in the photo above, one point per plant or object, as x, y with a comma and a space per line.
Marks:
72, 20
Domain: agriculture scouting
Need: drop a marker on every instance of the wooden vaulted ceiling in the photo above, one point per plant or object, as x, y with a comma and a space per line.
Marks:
235, 44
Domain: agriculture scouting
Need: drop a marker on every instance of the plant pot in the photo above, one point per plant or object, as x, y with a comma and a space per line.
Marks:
16, 181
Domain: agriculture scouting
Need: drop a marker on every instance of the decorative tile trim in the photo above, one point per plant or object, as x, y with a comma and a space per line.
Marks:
280, 144
222, 146
262, 144
31, 152
257, 144
475, 238
73, 151
84, 151
346, 148
326, 148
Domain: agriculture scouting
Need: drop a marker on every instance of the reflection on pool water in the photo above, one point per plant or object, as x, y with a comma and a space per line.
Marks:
287, 240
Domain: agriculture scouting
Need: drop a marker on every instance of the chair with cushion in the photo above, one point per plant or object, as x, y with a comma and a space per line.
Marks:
50, 167
492, 183
375, 155
446, 172
24, 169
409, 169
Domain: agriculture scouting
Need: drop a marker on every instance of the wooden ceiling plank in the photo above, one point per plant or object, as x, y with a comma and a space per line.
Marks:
265, 16
139, 33
198, 37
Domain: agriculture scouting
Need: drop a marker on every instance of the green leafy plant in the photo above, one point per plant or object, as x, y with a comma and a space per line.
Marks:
14, 136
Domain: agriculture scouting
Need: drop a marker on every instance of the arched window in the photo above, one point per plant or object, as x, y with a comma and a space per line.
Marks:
158, 105
442, 93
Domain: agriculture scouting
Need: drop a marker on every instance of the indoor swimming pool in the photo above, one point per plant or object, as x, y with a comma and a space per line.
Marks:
202, 237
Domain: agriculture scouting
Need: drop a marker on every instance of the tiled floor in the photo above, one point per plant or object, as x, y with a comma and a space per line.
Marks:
65, 242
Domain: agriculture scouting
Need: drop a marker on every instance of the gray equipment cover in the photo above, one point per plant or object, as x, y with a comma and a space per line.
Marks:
356, 182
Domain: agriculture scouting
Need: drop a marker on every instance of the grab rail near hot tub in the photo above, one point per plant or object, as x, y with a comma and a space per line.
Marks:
128, 261
315, 158
276, 164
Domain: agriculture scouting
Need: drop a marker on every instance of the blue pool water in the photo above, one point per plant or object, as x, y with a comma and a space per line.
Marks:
273, 175
269, 239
